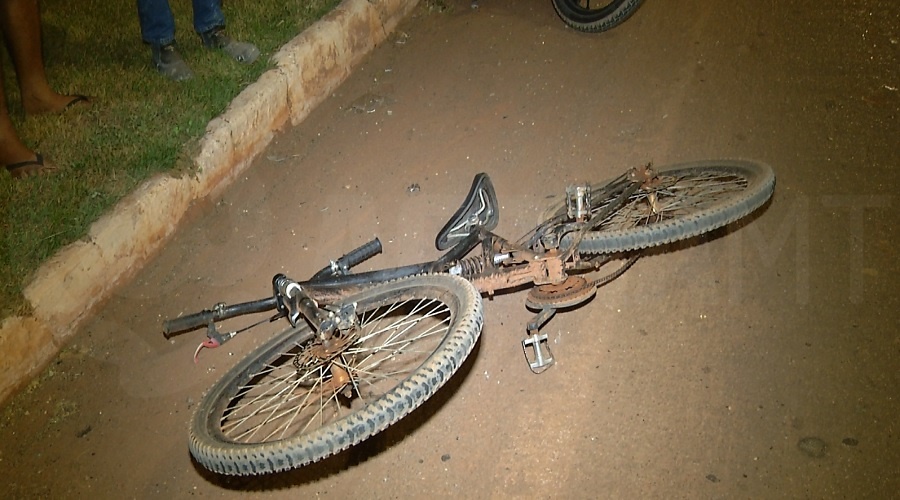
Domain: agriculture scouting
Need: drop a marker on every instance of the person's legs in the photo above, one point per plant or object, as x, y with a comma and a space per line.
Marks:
158, 31
15, 156
12, 150
209, 23
21, 24
208, 15
157, 22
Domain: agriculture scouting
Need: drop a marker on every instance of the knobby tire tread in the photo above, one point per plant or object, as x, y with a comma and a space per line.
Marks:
251, 459
588, 21
761, 185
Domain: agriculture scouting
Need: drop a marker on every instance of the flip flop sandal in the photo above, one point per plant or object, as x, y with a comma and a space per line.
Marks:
77, 100
30, 167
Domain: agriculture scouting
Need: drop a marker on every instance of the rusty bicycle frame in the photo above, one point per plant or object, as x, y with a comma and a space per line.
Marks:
546, 258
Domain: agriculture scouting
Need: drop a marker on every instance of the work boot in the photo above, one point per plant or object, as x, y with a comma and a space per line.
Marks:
240, 51
169, 63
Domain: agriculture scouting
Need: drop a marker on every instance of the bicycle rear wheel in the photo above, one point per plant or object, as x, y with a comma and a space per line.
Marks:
281, 408
690, 199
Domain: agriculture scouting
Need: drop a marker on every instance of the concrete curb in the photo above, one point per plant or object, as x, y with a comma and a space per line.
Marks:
67, 289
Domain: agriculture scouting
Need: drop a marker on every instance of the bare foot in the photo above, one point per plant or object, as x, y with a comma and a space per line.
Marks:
53, 104
29, 168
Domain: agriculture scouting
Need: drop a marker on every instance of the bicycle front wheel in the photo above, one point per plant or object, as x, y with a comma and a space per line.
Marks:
292, 401
688, 200
594, 16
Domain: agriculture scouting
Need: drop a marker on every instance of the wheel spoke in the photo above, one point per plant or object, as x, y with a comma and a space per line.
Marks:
277, 400
263, 410
675, 198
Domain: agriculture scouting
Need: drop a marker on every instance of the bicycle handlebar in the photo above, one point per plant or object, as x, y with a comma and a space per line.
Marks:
218, 313
362, 253
222, 312
342, 265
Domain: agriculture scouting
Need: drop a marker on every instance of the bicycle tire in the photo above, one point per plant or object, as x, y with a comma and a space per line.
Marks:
594, 20
696, 197
254, 420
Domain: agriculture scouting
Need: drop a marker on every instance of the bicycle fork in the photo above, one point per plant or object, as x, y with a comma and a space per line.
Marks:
297, 305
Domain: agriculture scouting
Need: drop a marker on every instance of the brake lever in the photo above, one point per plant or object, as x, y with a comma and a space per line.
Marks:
209, 344
214, 339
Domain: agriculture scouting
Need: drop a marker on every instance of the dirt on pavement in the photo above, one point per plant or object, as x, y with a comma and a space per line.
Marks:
761, 363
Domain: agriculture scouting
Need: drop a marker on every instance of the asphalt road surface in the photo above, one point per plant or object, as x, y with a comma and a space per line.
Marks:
761, 361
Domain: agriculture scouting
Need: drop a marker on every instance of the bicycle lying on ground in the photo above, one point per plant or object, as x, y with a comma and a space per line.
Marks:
365, 349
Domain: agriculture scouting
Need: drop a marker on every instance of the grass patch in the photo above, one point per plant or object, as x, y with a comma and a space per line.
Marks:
140, 123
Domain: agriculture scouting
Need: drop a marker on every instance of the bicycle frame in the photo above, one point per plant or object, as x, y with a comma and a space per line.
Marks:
539, 258
367, 348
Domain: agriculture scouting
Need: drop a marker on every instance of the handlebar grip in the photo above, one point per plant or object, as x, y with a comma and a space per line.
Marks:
362, 253
189, 322
341, 266
218, 313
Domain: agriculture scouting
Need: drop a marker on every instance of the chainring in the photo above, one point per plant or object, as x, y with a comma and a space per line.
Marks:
571, 292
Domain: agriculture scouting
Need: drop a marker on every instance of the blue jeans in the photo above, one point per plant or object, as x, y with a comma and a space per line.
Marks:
158, 24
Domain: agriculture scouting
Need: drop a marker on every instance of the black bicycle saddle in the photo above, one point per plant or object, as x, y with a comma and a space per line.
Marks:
479, 210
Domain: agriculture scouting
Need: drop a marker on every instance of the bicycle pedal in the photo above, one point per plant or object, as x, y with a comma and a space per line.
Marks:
542, 357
